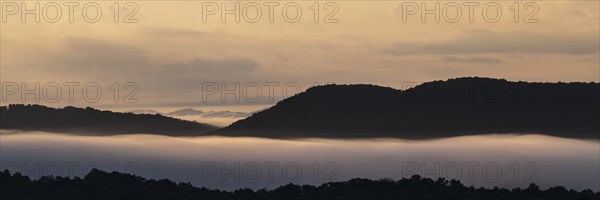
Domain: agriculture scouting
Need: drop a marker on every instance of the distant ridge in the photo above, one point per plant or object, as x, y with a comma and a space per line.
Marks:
142, 111
94, 122
209, 114
461, 106
184, 112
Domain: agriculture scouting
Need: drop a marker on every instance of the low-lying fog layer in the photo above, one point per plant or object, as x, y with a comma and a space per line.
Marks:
231, 163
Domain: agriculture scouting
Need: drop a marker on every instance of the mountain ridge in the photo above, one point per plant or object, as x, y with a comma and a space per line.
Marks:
455, 107
436, 109
90, 121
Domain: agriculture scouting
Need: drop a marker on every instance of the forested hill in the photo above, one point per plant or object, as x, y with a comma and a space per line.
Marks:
94, 122
462, 106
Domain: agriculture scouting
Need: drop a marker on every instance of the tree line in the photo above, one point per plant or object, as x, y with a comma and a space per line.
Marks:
99, 185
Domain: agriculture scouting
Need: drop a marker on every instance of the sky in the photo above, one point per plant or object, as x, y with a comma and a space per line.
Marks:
172, 55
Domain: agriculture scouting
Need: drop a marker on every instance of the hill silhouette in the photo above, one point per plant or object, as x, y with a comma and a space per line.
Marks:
462, 106
94, 122
103, 185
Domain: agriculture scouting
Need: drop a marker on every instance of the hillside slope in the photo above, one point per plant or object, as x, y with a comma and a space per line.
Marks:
462, 106
94, 122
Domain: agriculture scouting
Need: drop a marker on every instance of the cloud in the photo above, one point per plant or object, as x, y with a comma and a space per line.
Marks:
485, 41
218, 118
475, 59
178, 78
225, 114
170, 32
85, 55
199, 65
88, 45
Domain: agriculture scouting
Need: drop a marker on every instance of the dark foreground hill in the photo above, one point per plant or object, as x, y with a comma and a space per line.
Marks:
94, 122
463, 106
115, 186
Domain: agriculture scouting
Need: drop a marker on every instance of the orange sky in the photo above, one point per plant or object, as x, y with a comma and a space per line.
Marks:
170, 52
